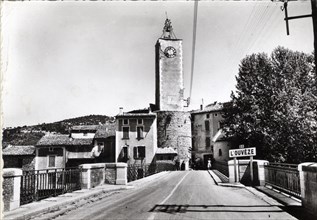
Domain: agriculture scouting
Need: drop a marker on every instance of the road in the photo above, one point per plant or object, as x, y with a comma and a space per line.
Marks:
180, 195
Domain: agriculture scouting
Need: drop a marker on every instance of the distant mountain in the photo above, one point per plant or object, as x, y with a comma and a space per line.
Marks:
30, 135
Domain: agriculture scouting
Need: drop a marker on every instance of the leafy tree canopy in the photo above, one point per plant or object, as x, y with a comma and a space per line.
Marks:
274, 106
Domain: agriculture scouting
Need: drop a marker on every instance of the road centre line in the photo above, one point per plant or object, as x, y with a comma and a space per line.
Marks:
152, 215
171, 193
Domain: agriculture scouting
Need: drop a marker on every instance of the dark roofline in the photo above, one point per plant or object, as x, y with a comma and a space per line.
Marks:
129, 115
171, 39
195, 112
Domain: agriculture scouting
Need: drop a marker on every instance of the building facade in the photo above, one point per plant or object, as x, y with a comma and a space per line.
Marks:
208, 140
19, 157
136, 137
84, 144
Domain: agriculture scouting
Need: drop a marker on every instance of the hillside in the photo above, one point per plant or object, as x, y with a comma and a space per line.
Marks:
30, 135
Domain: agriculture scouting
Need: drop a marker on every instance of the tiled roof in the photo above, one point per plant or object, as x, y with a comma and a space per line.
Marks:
165, 150
85, 127
214, 107
105, 131
19, 150
62, 140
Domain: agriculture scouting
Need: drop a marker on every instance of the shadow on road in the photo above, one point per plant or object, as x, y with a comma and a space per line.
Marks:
174, 208
298, 212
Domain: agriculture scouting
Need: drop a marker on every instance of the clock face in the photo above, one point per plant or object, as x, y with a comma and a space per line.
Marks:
170, 52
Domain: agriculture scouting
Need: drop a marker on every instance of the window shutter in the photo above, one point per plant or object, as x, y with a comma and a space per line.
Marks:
135, 153
141, 152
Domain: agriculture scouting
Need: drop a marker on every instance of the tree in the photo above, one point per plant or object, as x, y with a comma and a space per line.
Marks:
274, 106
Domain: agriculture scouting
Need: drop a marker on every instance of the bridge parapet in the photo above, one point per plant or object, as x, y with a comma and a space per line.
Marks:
100, 173
11, 188
308, 184
243, 172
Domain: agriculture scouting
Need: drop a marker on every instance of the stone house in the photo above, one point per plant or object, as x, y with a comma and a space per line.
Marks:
221, 146
84, 144
19, 157
207, 137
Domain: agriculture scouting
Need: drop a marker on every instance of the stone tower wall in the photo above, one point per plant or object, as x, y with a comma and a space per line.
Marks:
169, 76
174, 130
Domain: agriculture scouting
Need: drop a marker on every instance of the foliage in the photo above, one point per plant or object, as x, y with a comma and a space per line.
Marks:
30, 135
274, 107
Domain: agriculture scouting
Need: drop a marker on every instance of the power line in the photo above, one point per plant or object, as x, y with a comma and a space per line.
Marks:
193, 48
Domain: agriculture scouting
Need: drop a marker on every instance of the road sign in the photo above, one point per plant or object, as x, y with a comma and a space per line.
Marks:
246, 152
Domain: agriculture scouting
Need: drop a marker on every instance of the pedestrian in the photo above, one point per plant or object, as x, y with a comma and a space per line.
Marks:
209, 164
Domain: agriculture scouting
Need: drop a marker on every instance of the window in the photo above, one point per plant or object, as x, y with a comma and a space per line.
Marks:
139, 152
207, 126
51, 149
220, 152
140, 121
216, 114
125, 121
51, 161
207, 142
139, 132
125, 132
207, 116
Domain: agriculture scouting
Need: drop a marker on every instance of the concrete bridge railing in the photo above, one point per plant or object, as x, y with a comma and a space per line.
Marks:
92, 175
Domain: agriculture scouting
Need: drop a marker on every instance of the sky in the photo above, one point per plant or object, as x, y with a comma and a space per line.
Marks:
74, 58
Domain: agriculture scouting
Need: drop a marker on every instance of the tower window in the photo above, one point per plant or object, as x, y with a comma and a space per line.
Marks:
207, 142
207, 126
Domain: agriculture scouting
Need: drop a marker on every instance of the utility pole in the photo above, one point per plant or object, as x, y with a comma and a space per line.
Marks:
314, 14
314, 17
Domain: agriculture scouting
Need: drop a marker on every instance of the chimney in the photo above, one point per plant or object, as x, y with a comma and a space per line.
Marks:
121, 111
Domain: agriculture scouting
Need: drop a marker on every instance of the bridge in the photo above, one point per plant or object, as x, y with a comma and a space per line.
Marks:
102, 191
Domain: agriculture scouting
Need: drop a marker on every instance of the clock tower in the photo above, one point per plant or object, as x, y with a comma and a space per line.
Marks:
169, 94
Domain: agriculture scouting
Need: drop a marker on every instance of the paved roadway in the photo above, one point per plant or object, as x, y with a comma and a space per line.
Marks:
180, 195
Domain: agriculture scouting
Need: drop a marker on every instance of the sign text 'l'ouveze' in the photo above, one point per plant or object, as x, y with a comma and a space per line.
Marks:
246, 152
